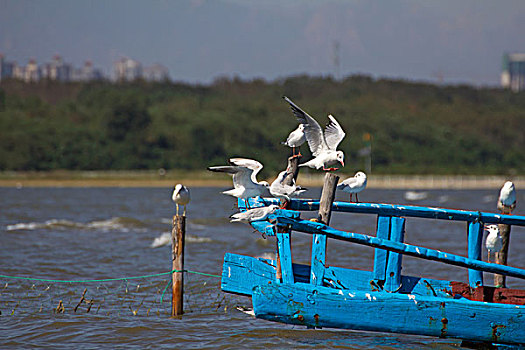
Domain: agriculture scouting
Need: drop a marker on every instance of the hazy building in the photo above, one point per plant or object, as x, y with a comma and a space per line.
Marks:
513, 75
156, 72
6, 68
31, 72
127, 69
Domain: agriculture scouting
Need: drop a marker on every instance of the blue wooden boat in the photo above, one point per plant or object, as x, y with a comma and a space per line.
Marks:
381, 300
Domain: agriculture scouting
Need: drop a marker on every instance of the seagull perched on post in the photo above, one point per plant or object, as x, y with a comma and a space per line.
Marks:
295, 139
507, 198
255, 214
244, 172
181, 196
354, 184
493, 242
281, 190
322, 145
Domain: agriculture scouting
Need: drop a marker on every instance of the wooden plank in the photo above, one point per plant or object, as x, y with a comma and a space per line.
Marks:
489, 294
285, 253
412, 250
381, 255
393, 269
319, 241
316, 306
406, 211
241, 274
475, 238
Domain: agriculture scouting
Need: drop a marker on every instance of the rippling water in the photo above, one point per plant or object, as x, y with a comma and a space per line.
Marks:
79, 234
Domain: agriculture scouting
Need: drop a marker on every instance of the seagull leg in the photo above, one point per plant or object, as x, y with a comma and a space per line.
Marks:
356, 198
177, 209
184, 213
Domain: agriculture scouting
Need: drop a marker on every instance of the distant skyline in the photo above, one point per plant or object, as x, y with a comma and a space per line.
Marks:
459, 41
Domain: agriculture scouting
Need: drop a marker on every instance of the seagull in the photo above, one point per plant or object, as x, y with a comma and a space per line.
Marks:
256, 214
295, 139
322, 145
507, 198
181, 196
494, 242
245, 184
281, 190
354, 184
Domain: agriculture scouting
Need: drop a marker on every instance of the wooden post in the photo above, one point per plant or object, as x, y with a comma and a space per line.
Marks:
293, 171
177, 248
501, 256
319, 240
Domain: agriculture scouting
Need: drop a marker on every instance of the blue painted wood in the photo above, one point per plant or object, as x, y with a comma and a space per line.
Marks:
412, 250
317, 306
241, 274
404, 210
285, 256
318, 259
393, 269
381, 255
475, 238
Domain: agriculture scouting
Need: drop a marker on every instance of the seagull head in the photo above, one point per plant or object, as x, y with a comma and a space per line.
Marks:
360, 175
340, 157
492, 228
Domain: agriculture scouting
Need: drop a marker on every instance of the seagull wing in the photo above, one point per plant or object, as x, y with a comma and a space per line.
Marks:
351, 182
312, 130
253, 165
333, 133
241, 175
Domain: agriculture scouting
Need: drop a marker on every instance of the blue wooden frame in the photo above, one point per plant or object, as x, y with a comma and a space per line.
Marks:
326, 296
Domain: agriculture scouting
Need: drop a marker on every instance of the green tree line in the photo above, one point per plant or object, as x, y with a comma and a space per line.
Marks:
416, 128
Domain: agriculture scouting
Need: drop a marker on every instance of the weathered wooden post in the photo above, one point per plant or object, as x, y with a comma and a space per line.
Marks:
181, 196
293, 171
506, 204
319, 240
177, 248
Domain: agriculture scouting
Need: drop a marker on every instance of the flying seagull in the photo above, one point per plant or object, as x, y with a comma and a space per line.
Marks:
507, 198
255, 214
245, 184
295, 139
354, 184
322, 145
281, 190
181, 196
494, 242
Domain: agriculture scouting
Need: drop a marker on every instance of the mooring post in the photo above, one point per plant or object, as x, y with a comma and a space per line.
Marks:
178, 234
319, 240
293, 171
501, 256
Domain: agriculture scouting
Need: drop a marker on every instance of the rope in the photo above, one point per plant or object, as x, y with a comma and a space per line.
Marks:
108, 279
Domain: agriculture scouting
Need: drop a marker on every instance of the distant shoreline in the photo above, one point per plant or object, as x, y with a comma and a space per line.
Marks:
204, 179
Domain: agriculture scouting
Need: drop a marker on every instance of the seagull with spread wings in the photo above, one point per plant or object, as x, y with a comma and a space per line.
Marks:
244, 172
322, 145
279, 189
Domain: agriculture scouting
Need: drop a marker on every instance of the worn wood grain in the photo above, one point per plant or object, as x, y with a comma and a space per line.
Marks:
177, 248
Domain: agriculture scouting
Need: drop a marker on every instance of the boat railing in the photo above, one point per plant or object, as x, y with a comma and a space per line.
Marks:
388, 241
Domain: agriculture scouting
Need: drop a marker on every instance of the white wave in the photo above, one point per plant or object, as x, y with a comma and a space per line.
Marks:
415, 196
116, 223
165, 239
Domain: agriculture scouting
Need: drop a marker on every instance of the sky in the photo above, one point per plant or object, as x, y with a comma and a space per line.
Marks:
453, 41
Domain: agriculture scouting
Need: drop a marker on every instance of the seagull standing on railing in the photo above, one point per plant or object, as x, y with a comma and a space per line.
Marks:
507, 198
494, 242
244, 172
354, 184
256, 214
181, 196
295, 139
322, 145
281, 190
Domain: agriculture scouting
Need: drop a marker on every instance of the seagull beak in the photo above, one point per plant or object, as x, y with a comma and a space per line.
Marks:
342, 163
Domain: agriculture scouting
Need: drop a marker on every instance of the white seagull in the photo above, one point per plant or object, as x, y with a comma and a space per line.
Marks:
255, 214
322, 145
354, 184
295, 139
494, 242
507, 198
245, 184
181, 196
281, 190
